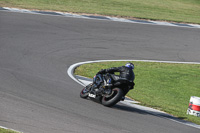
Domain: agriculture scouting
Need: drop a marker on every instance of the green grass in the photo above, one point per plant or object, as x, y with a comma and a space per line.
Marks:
164, 86
7, 131
167, 10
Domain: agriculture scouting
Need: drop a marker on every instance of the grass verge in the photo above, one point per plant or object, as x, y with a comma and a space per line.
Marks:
164, 86
7, 131
167, 10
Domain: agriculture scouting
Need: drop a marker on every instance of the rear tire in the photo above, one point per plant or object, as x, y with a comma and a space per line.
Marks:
85, 92
113, 98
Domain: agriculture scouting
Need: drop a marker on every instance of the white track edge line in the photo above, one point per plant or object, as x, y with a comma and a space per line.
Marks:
71, 69
195, 26
10, 129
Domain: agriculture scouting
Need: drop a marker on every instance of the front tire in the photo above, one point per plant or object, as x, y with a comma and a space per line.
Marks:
113, 98
85, 92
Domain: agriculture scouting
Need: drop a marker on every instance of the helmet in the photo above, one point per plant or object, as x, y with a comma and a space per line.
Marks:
130, 65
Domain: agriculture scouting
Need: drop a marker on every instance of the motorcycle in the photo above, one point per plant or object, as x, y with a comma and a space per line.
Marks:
108, 89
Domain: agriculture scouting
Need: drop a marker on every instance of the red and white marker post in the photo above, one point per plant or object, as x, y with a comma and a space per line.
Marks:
194, 106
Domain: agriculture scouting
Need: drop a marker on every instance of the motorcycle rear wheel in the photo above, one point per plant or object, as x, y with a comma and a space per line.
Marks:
112, 99
85, 91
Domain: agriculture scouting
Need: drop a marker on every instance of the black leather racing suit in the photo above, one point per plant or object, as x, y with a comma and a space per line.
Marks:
125, 73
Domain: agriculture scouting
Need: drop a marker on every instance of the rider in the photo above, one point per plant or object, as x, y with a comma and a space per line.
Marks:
126, 72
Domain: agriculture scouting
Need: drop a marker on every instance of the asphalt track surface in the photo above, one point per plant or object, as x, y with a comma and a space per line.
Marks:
37, 95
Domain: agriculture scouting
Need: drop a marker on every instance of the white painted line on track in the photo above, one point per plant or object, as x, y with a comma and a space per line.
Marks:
10, 129
107, 18
71, 69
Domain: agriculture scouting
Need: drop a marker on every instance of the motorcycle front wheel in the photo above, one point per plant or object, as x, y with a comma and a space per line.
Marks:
85, 91
113, 98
